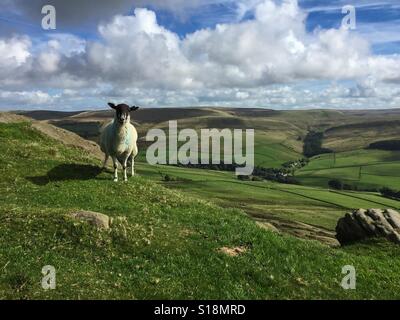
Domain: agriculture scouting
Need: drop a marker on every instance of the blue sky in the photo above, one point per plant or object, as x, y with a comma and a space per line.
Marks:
321, 14
288, 54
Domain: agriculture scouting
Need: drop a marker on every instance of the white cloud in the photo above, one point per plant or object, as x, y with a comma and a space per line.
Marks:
139, 51
14, 58
272, 48
14, 51
25, 97
67, 44
234, 63
48, 61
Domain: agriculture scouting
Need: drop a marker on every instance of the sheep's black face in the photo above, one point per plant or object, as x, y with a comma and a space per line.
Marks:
122, 112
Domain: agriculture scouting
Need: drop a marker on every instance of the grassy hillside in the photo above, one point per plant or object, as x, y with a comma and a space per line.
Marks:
360, 135
166, 246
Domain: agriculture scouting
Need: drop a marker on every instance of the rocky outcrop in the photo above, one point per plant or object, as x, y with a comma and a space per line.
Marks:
362, 224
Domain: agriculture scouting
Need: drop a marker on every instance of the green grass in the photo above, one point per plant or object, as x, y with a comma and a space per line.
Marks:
273, 155
168, 245
368, 169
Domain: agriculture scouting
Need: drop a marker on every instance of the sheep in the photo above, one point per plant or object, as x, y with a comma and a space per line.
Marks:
118, 140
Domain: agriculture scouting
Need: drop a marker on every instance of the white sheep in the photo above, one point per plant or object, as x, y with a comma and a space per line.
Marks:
118, 139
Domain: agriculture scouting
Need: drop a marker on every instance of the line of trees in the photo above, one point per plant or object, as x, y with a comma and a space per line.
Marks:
340, 185
390, 193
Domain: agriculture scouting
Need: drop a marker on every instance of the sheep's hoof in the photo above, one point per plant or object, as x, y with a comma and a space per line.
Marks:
115, 179
126, 180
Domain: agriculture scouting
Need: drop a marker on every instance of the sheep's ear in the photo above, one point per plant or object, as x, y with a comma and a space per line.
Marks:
133, 108
112, 105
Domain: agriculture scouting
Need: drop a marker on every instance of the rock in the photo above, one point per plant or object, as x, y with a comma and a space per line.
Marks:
362, 224
97, 219
393, 218
366, 222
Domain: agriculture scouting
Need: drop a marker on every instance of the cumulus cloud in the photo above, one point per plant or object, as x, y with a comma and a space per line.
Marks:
25, 97
272, 48
234, 62
14, 51
136, 50
14, 56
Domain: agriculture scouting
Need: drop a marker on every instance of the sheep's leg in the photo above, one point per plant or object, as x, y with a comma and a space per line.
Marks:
114, 159
105, 161
124, 167
133, 165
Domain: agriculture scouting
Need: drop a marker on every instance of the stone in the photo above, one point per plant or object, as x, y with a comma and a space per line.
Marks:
393, 218
380, 221
348, 229
366, 222
362, 224
99, 220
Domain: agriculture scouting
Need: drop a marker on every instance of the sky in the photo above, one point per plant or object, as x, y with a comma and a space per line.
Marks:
277, 54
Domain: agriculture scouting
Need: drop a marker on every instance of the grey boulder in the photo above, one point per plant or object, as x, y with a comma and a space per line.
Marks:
362, 224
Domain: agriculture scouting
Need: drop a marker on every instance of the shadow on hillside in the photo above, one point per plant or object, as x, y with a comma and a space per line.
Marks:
65, 172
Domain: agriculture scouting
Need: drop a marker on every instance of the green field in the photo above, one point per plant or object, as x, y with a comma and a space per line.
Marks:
368, 169
168, 243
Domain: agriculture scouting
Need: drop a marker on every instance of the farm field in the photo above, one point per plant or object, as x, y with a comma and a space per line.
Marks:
369, 169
